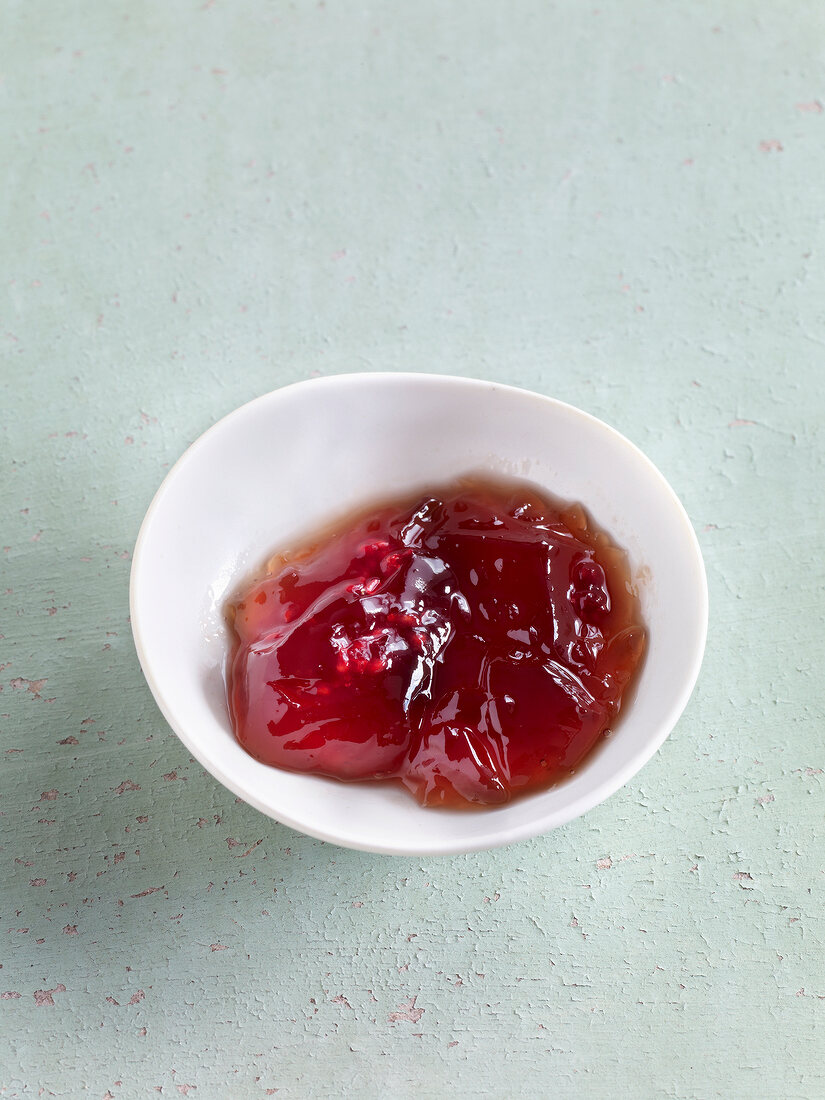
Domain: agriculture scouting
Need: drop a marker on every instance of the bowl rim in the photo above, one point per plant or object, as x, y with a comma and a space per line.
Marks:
537, 826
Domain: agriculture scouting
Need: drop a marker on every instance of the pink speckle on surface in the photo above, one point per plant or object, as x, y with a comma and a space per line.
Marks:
49, 796
10, 995
70, 930
738, 423
406, 1011
604, 864
146, 893
137, 997
37, 882
44, 997
34, 687
126, 785
812, 107
218, 947
341, 1000
771, 146
184, 1089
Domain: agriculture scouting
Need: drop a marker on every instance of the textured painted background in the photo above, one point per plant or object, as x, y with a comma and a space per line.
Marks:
620, 206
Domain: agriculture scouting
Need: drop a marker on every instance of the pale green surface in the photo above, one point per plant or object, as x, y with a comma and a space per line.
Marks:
205, 201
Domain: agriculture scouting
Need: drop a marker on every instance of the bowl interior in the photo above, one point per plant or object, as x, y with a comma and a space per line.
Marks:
293, 459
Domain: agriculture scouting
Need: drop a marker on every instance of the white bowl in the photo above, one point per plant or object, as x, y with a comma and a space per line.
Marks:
292, 459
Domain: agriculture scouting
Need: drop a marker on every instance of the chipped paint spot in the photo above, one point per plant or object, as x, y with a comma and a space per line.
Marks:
406, 1011
126, 785
146, 893
34, 687
44, 998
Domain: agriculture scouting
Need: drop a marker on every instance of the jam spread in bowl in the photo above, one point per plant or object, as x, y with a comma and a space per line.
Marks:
472, 643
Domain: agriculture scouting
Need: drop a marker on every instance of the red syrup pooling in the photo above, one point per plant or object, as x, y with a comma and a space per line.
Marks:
472, 643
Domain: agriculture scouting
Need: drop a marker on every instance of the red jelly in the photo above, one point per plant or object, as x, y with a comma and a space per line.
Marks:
472, 643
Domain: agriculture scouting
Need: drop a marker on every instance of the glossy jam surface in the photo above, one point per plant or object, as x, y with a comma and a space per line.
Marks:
472, 644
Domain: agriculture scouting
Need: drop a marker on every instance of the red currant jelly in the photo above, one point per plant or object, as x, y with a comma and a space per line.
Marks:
472, 643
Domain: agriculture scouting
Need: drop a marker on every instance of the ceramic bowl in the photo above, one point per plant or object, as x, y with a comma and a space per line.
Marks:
291, 460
